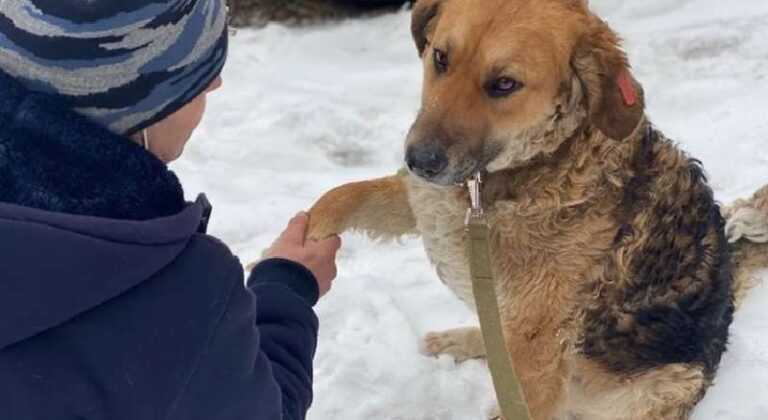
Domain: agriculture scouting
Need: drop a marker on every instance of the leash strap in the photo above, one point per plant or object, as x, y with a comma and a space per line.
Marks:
509, 391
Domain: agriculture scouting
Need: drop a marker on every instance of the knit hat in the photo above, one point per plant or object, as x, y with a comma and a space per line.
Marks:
124, 64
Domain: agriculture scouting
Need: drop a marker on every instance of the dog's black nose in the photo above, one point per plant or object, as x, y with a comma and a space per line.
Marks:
426, 161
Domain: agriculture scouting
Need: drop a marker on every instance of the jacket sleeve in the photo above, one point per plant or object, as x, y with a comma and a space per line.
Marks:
258, 364
285, 292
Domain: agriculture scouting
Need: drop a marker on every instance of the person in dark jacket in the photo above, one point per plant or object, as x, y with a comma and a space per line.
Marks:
114, 302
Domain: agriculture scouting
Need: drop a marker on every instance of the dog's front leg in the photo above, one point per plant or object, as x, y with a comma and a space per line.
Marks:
377, 207
540, 360
544, 395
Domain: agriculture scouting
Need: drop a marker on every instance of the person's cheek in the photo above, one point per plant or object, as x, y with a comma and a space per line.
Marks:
203, 103
194, 118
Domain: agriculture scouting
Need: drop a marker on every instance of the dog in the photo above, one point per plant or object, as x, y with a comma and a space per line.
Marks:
616, 279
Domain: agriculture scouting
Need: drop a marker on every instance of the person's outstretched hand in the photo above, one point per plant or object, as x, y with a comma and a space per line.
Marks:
318, 256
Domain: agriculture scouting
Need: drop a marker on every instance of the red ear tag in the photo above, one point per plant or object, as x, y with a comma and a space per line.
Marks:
627, 88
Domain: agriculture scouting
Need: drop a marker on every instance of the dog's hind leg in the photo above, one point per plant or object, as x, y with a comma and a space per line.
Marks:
665, 393
668, 393
377, 207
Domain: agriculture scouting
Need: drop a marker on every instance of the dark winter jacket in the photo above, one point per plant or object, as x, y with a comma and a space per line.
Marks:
115, 304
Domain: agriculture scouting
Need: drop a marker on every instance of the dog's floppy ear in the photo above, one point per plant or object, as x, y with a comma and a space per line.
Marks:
615, 99
423, 22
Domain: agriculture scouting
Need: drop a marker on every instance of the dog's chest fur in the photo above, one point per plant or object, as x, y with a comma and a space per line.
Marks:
543, 252
440, 214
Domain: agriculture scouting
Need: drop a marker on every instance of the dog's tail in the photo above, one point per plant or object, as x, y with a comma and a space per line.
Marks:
747, 231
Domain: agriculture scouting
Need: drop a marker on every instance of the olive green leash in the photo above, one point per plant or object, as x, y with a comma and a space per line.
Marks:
509, 391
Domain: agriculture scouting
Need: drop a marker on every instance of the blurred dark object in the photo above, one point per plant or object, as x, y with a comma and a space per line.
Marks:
303, 12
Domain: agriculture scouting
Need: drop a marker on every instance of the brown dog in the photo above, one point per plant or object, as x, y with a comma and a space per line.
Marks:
613, 268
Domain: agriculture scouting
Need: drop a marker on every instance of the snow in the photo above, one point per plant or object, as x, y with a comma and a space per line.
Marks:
304, 110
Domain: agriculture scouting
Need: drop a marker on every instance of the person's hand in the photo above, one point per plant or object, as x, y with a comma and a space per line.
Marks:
318, 256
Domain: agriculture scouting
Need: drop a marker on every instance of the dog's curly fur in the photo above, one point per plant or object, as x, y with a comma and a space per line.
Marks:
614, 272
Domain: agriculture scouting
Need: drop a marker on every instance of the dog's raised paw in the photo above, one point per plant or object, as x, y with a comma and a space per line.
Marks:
460, 343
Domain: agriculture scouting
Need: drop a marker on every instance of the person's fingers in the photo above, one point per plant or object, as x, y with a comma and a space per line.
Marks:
335, 242
297, 229
329, 246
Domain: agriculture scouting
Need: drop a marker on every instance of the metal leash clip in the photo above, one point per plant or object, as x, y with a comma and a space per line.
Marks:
475, 212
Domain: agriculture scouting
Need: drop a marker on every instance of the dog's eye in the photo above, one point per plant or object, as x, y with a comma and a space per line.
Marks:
441, 60
503, 86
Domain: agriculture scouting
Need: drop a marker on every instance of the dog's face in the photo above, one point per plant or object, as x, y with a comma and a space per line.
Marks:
508, 80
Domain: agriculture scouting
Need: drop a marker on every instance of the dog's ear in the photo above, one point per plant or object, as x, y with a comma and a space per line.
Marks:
615, 100
423, 22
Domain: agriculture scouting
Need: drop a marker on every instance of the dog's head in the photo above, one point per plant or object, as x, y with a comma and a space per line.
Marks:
506, 81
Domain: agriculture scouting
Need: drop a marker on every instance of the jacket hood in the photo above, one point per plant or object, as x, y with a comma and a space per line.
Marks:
85, 214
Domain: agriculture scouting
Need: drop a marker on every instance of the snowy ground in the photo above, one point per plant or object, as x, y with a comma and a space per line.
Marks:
305, 110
